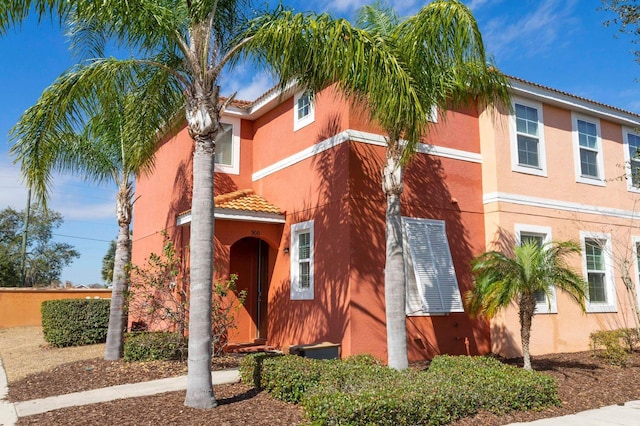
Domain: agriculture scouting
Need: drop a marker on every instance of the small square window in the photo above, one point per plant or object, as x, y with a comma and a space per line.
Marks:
303, 110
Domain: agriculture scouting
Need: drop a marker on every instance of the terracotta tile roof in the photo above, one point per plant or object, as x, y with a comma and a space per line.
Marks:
245, 199
573, 96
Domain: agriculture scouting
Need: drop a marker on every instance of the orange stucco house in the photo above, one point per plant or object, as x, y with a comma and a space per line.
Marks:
300, 217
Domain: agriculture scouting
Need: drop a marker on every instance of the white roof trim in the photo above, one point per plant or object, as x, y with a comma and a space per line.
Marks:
572, 103
238, 215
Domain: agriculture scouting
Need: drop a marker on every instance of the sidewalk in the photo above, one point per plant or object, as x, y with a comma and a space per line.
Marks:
9, 412
620, 415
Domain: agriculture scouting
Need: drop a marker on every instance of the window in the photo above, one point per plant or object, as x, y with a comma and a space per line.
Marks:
545, 304
636, 252
302, 261
227, 157
598, 269
432, 286
588, 150
303, 110
527, 138
632, 158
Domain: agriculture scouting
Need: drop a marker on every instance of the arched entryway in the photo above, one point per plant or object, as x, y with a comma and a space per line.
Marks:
250, 259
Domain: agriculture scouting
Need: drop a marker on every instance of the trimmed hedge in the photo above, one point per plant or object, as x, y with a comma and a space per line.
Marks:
75, 322
361, 392
154, 346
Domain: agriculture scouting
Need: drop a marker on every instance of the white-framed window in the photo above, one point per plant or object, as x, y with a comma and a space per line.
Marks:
545, 304
597, 263
432, 115
636, 256
227, 157
432, 286
632, 158
302, 249
303, 110
587, 148
528, 150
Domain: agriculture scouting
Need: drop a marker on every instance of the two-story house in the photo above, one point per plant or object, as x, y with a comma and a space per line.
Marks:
300, 217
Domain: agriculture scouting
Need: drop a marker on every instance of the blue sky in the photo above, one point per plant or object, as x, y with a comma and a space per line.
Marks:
558, 43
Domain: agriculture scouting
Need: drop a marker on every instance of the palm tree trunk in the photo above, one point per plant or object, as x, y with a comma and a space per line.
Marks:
527, 307
118, 308
394, 276
203, 125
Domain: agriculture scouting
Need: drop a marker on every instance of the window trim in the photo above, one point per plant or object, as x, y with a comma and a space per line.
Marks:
611, 304
550, 306
299, 123
234, 169
635, 241
456, 304
626, 131
298, 293
541, 170
600, 179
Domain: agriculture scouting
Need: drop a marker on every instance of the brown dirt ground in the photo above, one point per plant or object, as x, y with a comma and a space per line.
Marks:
584, 383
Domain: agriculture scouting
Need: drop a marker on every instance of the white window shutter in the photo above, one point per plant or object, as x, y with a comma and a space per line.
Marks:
432, 268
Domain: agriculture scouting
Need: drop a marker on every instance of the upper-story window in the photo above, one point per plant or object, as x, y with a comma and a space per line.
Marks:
588, 150
227, 157
632, 157
527, 138
303, 110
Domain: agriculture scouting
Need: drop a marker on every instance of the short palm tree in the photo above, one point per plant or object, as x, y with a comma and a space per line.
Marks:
533, 268
187, 44
443, 49
97, 130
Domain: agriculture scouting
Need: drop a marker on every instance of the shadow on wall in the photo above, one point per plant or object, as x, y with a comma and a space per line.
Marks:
503, 340
432, 192
325, 317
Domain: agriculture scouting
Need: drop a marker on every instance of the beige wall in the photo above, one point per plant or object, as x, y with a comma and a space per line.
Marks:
567, 208
21, 306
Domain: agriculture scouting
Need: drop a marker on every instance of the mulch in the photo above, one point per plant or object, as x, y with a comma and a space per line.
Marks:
585, 382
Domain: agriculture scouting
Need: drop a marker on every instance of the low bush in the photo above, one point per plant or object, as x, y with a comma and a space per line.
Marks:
614, 346
154, 346
75, 322
359, 391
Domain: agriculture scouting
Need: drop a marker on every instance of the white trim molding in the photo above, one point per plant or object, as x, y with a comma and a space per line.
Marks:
628, 164
297, 291
234, 169
362, 137
238, 215
546, 203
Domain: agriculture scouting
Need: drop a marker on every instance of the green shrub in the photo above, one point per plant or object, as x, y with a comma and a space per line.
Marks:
251, 368
154, 346
75, 322
359, 391
615, 345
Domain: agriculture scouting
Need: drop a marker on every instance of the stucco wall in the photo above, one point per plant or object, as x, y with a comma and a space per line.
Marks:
20, 307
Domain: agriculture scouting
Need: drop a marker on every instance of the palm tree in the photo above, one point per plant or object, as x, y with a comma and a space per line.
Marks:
443, 49
187, 44
502, 279
95, 129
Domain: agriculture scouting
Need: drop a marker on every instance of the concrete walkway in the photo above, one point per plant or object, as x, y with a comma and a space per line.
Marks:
9, 412
620, 415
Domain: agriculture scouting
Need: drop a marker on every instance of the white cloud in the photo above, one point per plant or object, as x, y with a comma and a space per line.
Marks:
12, 192
259, 84
532, 33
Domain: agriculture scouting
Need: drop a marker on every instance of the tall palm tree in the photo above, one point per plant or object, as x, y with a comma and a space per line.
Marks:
443, 49
96, 129
504, 279
188, 43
